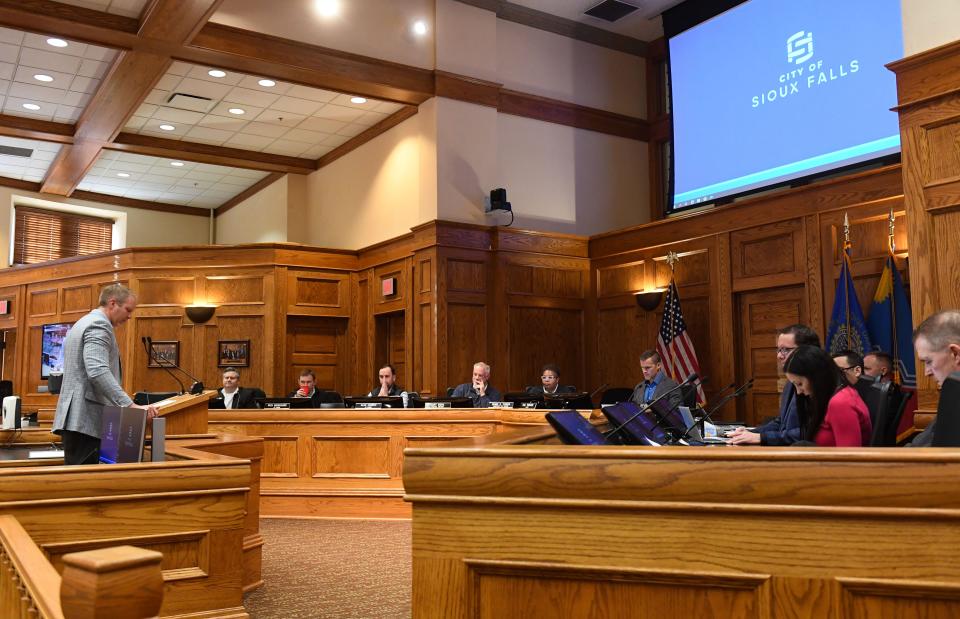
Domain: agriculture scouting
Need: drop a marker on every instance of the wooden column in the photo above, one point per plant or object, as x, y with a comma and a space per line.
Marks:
928, 96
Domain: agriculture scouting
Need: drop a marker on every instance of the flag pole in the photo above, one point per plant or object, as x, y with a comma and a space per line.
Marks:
672, 259
846, 279
892, 245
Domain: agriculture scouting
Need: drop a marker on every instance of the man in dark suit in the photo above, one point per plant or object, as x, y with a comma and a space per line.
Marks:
91, 376
308, 389
784, 429
479, 390
937, 344
235, 396
550, 382
655, 382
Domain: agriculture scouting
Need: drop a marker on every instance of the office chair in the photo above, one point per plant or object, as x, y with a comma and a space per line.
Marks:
947, 431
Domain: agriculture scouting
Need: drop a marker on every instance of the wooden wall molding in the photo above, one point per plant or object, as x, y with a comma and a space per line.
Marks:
925, 77
572, 115
208, 153
469, 89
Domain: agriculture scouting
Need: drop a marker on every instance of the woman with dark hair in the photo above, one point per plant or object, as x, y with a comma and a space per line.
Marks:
832, 414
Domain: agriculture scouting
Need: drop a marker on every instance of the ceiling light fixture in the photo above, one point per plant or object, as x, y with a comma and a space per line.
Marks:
177, 164
236, 110
420, 27
42, 77
267, 83
216, 73
31, 106
327, 8
123, 175
167, 127
357, 100
56, 42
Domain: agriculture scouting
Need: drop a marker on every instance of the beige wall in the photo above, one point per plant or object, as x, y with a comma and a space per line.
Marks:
929, 23
142, 228
261, 218
561, 179
466, 40
369, 195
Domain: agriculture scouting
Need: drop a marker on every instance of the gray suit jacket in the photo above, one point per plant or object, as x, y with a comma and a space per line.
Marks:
666, 383
91, 376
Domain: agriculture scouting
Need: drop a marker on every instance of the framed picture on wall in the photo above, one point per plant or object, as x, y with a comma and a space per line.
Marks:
164, 354
233, 352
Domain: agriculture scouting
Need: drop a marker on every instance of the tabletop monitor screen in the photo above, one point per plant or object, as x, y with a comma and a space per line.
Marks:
522, 399
393, 401
569, 400
51, 348
770, 91
450, 402
573, 429
122, 434
639, 431
284, 403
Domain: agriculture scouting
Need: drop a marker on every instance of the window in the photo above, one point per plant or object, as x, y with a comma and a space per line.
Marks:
41, 235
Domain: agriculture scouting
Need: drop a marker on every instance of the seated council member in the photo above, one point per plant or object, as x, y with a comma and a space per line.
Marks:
850, 364
550, 382
655, 382
479, 389
878, 365
785, 428
308, 389
831, 412
387, 375
235, 396
937, 344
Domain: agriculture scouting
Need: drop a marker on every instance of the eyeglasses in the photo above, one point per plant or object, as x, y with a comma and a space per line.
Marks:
852, 367
786, 351
548, 377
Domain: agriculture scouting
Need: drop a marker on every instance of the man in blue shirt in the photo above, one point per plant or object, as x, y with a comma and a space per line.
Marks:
785, 428
655, 382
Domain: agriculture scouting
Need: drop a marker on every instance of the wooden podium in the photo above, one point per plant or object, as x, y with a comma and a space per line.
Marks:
185, 414
517, 525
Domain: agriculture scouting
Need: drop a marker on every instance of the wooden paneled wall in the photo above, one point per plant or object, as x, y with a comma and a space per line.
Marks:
465, 293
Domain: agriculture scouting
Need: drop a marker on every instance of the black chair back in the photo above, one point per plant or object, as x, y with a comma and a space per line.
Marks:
689, 395
947, 431
877, 398
450, 391
615, 395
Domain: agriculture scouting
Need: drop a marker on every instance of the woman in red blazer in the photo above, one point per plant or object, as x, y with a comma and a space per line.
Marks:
832, 413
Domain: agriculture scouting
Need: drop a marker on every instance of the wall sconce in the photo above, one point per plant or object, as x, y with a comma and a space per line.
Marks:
649, 300
199, 314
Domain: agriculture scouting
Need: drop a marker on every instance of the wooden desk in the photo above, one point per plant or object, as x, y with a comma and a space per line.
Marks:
529, 529
347, 462
192, 508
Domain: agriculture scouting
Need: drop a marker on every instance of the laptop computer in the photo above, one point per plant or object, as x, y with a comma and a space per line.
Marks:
695, 429
122, 434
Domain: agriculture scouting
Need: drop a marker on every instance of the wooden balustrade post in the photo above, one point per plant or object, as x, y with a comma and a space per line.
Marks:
122, 581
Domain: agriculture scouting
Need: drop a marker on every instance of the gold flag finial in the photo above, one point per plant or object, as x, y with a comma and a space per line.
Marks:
672, 259
892, 241
846, 231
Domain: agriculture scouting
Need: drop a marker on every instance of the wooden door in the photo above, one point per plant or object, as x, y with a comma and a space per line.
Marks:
320, 344
761, 314
391, 346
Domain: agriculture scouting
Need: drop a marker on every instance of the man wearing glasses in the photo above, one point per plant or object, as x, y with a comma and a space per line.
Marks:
851, 365
785, 428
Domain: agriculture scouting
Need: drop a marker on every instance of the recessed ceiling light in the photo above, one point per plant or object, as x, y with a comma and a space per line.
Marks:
267, 83
56, 42
420, 27
31, 106
357, 100
236, 110
123, 175
177, 164
327, 8
167, 127
216, 73
42, 77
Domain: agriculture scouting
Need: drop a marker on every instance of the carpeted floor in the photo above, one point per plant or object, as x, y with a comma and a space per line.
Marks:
333, 569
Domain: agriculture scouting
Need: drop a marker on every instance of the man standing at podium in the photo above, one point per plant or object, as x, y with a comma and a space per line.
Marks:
91, 376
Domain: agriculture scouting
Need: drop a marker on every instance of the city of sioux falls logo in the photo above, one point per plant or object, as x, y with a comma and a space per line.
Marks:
803, 75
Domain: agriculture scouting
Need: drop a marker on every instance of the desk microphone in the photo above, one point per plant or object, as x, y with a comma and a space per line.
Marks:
707, 414
649, 406
195, 389
594, 393
147, 346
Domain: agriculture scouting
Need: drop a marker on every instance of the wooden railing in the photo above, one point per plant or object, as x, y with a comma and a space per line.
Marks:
122, 581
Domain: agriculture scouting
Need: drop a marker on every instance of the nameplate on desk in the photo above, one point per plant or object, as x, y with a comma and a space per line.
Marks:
501, 404
47, 453
276, 405
437, 405
369, 405
528, 404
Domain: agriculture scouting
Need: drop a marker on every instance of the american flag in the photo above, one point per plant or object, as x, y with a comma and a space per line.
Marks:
674, 345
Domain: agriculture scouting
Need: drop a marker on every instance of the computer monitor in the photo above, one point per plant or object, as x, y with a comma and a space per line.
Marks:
392, 401
51, 348
642, 430
573, 429
122, 433
580, 400
283, 403
440, 402
522, 399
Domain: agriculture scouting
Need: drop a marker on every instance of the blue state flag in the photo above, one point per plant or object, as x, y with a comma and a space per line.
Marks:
848, 329
891, 325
